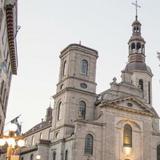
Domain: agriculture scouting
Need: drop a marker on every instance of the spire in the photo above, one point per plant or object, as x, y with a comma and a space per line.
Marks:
136, 6
136, 47
136, 42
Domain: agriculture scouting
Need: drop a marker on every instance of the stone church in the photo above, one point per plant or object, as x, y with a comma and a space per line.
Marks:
117, 124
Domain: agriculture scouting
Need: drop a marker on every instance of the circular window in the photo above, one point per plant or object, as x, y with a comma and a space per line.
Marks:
83, 85
129, 104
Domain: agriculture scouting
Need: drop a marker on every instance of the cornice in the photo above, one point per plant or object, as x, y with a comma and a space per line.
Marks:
90, 122
74, 89
130, 110
10, 4
73, 77
78, 47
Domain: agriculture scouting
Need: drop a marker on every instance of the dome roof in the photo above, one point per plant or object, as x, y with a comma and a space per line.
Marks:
130, 67
136, 22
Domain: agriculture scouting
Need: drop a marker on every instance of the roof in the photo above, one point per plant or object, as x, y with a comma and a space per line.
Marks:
138, 66
38, 127
80, 47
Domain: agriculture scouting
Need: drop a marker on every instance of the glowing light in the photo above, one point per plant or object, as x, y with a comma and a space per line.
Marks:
11, 142
2, 141
38, 157
21, 143
127, 150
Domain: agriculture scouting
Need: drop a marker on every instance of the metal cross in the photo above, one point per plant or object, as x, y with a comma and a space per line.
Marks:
137, 6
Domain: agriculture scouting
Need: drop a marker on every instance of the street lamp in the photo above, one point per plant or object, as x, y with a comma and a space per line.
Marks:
13, 142
38, 157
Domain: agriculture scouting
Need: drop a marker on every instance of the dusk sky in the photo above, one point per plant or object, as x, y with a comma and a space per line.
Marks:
47, 27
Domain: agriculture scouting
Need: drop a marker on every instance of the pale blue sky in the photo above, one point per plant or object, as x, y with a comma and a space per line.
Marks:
49, 26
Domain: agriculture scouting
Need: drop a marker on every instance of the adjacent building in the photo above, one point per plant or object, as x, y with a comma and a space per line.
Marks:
8, 52
117, 124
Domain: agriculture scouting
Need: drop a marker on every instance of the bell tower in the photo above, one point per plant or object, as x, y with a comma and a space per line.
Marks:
76, 89
136, 71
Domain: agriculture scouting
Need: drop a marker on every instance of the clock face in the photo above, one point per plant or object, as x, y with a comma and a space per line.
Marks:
83, 85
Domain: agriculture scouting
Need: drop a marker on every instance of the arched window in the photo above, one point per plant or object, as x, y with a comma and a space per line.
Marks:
127, 136
41, 136
158, 152
138, 46
88, 144
66, 155
31, 157
141, 84
149, 92
133, 46
49, 134
54, 155
82, 109
84, 66
64, 68
59, 111
33, 141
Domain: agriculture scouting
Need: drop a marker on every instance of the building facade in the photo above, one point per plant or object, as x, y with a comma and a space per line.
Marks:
117, 124
8, 52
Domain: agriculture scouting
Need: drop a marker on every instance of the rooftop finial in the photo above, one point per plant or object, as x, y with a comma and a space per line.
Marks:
136, 6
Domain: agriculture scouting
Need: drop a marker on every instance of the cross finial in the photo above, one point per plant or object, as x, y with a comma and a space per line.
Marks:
136, 6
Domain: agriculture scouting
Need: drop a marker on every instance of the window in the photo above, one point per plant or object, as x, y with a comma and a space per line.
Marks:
133, 46
82, 109
149, 92
41, 136
158, 152
33, 141
127, 136
2, 86
88, 144
138, 46
54, 155
59, 114
31, 157
49, 134
64, 68
141, 84
66, 155
84, 67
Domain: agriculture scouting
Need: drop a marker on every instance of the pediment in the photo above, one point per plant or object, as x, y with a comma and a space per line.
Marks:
131, 104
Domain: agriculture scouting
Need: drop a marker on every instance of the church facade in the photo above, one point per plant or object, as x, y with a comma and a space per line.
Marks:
117, 124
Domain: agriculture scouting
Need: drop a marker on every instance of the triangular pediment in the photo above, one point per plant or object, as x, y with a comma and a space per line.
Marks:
131, 104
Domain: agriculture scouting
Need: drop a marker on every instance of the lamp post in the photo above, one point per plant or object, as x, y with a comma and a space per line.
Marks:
13, 142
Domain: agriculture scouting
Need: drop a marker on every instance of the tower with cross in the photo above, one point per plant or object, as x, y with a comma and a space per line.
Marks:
119, 123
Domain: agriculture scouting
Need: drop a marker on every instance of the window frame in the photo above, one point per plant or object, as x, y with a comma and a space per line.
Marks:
84, 67
89, 143
82, 109
127, 135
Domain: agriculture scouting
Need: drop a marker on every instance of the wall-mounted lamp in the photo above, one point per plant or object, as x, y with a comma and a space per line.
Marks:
38, 157
127, 150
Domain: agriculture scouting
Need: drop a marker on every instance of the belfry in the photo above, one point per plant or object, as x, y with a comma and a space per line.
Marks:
118, 124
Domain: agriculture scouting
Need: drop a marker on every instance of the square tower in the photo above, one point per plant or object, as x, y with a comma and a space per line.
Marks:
76, 90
